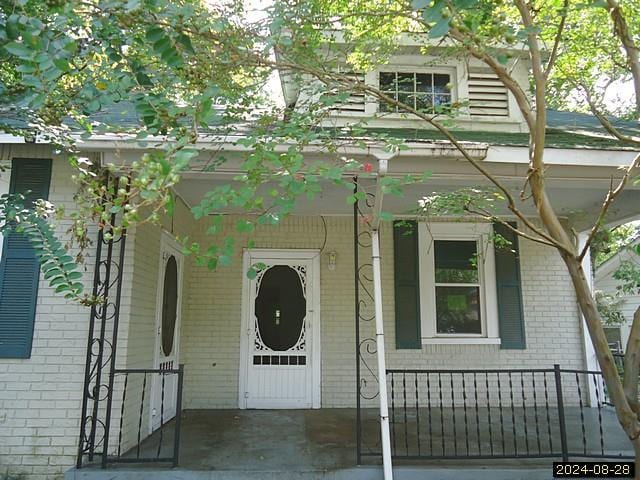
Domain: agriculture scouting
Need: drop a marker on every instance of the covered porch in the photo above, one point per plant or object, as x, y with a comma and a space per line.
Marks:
321, 444
513, 412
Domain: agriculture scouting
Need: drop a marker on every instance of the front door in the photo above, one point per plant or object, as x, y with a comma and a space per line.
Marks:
165, 386
281, 334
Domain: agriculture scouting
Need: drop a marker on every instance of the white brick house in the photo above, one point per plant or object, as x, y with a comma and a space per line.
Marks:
218, 336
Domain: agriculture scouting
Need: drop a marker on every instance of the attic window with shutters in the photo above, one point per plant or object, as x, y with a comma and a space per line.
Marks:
458, 301
487, 95
421, 91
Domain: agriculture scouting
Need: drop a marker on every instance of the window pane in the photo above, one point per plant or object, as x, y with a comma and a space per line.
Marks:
169, 305
424, 102
423, 82
388, 81
440, 81
458, 310
455, 261
441, 100
406, 98
280, 309
405, 82
385, 107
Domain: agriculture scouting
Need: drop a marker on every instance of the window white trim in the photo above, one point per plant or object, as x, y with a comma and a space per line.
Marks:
479, 232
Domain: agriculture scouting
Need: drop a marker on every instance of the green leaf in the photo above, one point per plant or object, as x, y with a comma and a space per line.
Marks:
420, 4
440, 29
185, 41
74, 275
52, 273
225, 260
154, 34
244, 226
252, 273
171, 204
69, 267
20, 50
212, 264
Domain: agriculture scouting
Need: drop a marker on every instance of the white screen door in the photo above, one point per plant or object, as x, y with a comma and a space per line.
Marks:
164, 387
281, 331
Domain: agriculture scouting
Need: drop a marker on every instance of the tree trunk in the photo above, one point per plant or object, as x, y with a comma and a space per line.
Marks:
626, 416
636, 449
632, 363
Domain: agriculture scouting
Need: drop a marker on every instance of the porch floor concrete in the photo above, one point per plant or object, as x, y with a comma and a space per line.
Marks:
321, 444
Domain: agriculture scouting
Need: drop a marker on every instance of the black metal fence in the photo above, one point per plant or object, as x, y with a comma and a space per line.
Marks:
148, 429
523, 413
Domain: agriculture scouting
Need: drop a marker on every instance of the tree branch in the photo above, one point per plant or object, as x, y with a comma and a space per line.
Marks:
611, 196
538, 134
326, 76
606, 123
556, 44
632, 362
621, 29
493, 218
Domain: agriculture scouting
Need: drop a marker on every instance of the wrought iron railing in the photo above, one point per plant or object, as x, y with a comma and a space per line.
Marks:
136, 440
104, 318
518, 413
367, 382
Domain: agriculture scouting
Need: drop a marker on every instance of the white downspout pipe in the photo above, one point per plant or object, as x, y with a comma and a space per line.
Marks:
591, 360
377, 299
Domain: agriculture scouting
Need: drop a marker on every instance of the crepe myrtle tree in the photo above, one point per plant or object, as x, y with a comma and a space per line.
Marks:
575, 49
184, 69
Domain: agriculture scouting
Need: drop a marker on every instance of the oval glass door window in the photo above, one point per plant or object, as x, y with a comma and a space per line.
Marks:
169, 305
280, 308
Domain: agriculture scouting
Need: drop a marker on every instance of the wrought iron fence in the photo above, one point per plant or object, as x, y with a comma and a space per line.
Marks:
148, 429
517, 413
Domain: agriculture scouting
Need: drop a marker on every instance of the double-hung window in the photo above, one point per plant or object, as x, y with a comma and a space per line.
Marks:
457, 283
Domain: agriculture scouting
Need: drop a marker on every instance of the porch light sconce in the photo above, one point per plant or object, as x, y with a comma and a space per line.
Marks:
332, 260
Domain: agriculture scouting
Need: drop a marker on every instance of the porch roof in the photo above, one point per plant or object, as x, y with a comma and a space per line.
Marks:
564, 129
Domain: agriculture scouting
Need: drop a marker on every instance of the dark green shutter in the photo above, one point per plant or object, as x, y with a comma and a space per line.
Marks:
407, 284
19, 268
509, 289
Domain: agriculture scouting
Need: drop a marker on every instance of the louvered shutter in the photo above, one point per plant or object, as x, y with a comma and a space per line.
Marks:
19, 268
509, 289
407, 284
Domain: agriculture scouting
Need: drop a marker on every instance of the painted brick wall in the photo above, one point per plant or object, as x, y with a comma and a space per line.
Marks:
40, 397
211, 327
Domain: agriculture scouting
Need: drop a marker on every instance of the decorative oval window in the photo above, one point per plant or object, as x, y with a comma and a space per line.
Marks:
169, 305
280, 308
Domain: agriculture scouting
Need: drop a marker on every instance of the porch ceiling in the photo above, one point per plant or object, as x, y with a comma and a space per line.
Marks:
577, 198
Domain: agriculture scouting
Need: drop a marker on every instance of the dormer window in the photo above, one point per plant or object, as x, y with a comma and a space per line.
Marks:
422, 91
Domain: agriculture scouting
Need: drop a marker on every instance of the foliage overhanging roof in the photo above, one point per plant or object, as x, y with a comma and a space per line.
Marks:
564, 129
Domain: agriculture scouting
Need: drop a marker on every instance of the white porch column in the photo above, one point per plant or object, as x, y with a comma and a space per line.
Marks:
382, 367
591, 361
377, 302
